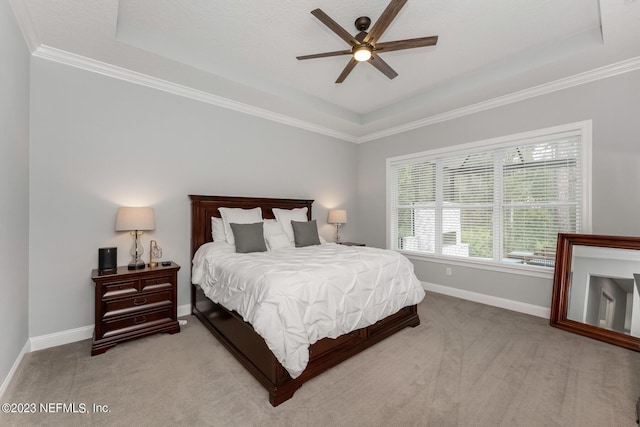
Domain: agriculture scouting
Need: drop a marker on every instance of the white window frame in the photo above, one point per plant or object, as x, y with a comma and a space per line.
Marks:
584, 128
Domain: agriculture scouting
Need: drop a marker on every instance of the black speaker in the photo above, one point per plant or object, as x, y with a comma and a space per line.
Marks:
107, 259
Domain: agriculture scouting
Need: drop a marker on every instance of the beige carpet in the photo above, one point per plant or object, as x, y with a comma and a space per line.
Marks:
466, 365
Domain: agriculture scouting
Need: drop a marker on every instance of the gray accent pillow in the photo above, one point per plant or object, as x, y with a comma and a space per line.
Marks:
249, 237
305, 233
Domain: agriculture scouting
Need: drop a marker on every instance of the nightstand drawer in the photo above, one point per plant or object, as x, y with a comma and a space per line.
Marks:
128, 324
120, 288
155, 283
120, 307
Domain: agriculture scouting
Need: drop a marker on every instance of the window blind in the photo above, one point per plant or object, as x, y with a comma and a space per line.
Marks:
468, 205
414, 200
503, 203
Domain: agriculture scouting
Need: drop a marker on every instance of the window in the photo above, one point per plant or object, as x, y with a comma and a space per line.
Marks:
499, 201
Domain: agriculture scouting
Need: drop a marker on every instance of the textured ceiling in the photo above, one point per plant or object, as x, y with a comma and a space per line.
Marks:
245, 51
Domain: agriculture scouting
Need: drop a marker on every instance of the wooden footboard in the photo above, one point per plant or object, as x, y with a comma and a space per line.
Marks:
250, 349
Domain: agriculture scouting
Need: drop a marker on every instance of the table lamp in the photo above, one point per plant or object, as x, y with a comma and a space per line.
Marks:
337, 217
135, 221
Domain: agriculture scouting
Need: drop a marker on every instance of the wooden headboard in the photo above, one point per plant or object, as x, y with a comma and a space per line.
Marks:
204, 207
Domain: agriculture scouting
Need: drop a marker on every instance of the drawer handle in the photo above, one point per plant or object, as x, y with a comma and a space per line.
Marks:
139, 320
141, 302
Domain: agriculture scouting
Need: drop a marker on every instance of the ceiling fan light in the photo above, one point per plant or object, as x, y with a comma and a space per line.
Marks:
362, 53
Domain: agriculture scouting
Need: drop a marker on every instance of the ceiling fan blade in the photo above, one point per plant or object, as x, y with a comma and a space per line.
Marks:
335, 27
385, 19
406, 44
384, 68
324, 55
350, 65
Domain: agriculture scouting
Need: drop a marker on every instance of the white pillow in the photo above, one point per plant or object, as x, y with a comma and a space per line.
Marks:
275, 235
277, 241
285, 216
271, 226
238, 216
217, 230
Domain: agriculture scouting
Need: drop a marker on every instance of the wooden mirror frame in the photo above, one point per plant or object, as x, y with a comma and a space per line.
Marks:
562, 283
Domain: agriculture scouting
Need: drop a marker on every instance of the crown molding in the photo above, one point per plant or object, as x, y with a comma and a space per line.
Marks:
25, 23
604, 72
88, 64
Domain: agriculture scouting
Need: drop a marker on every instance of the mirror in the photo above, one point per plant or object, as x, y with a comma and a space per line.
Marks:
596, 288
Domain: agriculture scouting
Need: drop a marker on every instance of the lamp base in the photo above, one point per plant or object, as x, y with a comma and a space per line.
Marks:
136, 266
136, 253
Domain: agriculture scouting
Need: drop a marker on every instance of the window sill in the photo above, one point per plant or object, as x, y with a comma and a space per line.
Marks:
520, 269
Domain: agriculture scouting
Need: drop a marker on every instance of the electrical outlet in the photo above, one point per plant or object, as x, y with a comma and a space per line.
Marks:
448, 271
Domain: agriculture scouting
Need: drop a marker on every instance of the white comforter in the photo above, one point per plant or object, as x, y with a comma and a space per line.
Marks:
294, 297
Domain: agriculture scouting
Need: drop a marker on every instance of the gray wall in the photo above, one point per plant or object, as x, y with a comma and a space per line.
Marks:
606, 284
612, 104
14, 189
98, 143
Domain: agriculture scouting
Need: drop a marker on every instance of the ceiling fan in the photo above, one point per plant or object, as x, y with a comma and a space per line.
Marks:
365, 46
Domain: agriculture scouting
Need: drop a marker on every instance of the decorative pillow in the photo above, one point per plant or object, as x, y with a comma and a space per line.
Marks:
305, 233
285, 216
238, 216
274, 235
217, 230
277, 241
249, 237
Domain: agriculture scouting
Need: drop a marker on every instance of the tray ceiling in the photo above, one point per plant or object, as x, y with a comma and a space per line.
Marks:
244, 53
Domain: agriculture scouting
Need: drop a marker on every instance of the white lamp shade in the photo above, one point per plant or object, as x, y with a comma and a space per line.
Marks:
337, 216
130, 219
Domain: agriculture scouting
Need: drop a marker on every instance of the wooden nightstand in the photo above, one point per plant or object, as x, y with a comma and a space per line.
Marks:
130, 304
352, 244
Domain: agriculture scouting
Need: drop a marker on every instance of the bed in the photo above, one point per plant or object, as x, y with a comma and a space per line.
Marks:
240, 338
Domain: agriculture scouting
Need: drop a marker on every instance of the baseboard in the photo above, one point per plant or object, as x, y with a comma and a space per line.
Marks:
78, 334
184, 310
12, 371
520, 307
60, 338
